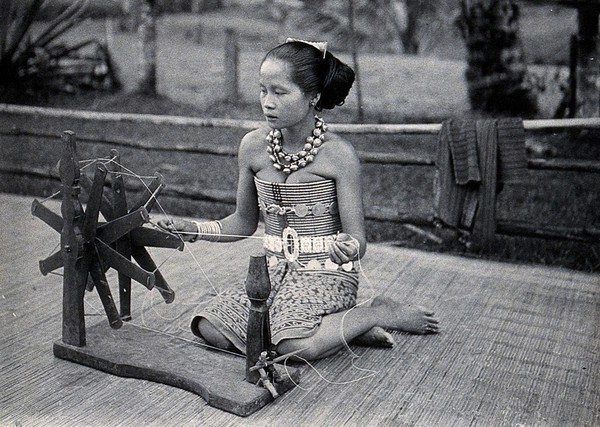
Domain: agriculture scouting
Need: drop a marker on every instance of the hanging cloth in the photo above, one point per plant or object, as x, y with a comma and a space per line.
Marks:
457, 175
474, 159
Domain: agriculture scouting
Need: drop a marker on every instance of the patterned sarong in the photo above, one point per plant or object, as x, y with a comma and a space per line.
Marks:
298, 301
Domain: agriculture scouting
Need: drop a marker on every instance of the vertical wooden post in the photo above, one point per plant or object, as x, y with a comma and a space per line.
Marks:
147, 82
71, 241
258, 288
197, 33
131, 15
231, 65
197, 6
588, 68
360, 117
109, 34
572, 101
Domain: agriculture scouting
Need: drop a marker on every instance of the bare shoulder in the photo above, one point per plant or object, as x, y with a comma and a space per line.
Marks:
254, 139
252, 150
341, 151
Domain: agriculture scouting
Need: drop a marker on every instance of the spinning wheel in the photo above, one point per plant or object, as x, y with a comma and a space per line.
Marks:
88, 248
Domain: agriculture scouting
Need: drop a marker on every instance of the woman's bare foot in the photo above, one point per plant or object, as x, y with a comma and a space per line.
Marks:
406, 317
375, 337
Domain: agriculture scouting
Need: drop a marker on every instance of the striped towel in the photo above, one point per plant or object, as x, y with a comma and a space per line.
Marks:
453, 203
512, 163
463, 151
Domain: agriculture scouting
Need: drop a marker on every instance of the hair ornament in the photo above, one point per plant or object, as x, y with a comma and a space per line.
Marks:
322, 46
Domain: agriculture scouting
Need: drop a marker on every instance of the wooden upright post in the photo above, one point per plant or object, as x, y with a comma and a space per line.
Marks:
258, 288
147, 81
71, 241
231, 65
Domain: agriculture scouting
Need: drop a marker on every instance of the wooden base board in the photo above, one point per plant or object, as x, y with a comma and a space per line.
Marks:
140, 353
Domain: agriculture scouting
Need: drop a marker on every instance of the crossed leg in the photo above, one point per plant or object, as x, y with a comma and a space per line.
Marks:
361, 325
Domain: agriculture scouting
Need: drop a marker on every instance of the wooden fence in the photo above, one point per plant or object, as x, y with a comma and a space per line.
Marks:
510, 228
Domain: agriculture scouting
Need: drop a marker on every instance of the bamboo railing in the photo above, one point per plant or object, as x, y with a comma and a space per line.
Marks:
513, 228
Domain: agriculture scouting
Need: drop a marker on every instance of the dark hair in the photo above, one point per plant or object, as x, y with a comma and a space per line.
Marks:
314, 74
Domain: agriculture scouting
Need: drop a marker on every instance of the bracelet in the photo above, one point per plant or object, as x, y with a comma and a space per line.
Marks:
209, 231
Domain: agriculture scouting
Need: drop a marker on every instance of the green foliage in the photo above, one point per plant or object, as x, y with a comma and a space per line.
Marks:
36, 61
380, 25
330, 18
95, 9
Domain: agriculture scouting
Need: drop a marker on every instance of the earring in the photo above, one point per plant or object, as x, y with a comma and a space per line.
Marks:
313, 103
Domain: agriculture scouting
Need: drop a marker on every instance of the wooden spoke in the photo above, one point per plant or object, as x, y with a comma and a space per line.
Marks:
144, 260
105, 206
124, 266
51, 263
90, 222
54, 220
99, 278
123, 245
110, 232
155, 238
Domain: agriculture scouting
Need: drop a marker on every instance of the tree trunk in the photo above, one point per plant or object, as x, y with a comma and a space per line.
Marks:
130, 22
359, 113
410, 42
147, 83
231, 83
496, 69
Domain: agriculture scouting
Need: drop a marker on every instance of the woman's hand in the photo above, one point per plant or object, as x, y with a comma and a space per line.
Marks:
187, 230
343, 249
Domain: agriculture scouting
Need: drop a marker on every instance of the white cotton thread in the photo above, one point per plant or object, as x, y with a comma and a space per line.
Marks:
323, 378
50, 197
369, 299
94, 308
56, 274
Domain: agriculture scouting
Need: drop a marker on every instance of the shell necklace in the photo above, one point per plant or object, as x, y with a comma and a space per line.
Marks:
288, 163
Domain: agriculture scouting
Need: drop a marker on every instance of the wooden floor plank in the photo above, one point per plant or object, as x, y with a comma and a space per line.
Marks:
520, 344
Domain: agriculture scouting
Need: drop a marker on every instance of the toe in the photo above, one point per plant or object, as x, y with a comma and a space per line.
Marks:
388, 340
433, 328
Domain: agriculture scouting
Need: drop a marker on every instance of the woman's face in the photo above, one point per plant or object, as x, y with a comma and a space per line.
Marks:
283, 103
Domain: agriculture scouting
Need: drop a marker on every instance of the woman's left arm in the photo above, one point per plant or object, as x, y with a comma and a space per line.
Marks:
350, 204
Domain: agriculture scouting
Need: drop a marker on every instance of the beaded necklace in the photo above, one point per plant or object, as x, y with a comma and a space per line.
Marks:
288, 163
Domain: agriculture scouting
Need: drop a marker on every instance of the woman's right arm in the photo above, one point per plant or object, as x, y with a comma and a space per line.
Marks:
244, 221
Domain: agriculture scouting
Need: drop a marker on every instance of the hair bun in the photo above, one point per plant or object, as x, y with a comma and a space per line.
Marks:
337, 83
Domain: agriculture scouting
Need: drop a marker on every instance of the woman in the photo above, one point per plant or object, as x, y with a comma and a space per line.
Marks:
306, 182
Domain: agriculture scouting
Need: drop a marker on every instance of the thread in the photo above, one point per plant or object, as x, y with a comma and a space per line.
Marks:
50, 197
366, 301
